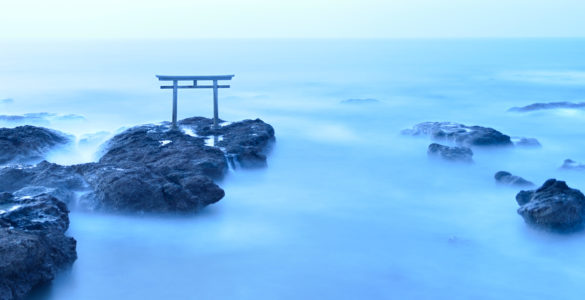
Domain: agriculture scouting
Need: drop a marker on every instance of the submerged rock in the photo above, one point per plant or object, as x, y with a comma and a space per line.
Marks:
33, 245
553, 206
526, 142
506, 178
460, 134
25, 144
462, 154
570, 164
550, 105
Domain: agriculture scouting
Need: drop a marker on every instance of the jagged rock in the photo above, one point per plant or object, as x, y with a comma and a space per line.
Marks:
526, 142
460, 134
149, 168
570, 164
26, 144
506, 178
33, 245
553, 206
44, 178
550, 105
244, 142
462, 154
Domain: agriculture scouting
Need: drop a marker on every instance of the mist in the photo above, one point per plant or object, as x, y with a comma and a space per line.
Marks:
347, 208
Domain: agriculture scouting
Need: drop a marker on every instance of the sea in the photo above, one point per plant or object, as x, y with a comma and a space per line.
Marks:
348, 207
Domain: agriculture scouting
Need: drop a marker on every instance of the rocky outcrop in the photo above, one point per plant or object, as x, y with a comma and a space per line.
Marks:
33, 245
461, 154
507, 178
26, 144
460, 134
150, 168
154, 168
550, 105
570, 164
553, 206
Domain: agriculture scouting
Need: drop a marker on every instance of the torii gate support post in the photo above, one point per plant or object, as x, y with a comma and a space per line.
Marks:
215, 86
175, 103
215, 109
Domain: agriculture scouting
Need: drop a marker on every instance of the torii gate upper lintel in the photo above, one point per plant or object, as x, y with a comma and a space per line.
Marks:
215, 86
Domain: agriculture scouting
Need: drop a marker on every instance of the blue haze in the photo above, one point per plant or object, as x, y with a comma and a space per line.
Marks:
347, 208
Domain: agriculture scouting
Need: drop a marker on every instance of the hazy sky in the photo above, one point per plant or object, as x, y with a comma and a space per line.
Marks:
291, 18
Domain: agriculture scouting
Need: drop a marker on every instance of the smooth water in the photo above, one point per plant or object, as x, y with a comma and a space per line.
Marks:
347, 207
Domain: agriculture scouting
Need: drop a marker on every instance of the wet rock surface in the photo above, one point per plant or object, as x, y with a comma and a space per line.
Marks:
506, 178
460, 134
552, 206
549, 105
33, 245
461, 154
245, 142
26, 144
150, 168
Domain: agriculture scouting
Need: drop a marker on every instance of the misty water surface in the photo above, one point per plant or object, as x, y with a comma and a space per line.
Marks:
347, 207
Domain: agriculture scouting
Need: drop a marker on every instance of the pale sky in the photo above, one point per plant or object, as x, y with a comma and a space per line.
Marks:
291, 18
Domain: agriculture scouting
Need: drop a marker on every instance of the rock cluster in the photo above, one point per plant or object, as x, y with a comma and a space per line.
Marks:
149, 168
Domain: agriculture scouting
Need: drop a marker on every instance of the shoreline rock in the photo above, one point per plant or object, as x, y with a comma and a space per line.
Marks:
554, 206
150, 168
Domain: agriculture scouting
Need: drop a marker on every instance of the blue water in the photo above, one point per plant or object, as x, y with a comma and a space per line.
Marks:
347, 207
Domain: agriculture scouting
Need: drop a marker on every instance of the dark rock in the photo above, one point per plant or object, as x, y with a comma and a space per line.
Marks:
145, 189
460, 134
570, 164
360, 101
550, 105
553, 206
27, 144
462, 154
526, 142
149, 168
506, 178
245, 142
44, 178
156, 168
33, 245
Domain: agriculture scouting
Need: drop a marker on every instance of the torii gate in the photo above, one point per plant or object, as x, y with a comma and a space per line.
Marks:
213, 78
